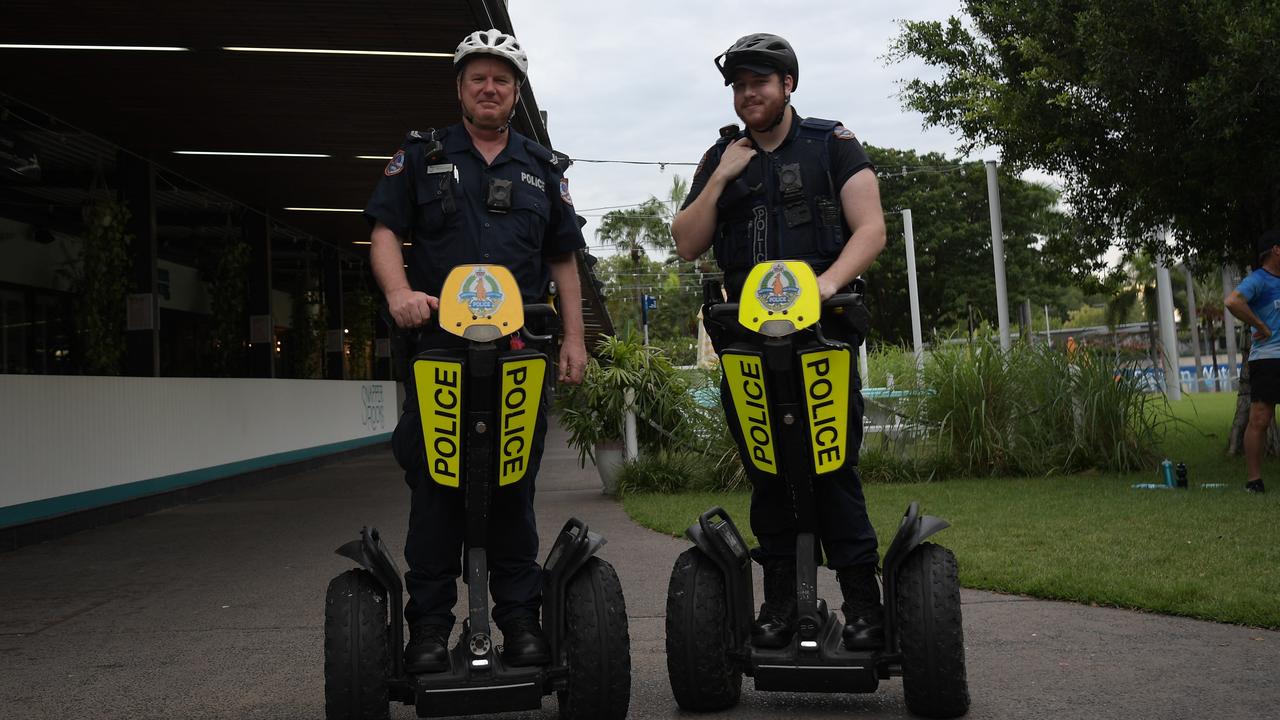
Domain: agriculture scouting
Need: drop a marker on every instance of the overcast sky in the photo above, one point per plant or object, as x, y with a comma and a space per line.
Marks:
635, 80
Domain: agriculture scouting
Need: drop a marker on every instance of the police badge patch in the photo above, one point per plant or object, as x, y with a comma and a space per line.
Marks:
778, 289
564, 191
396, 165
843, 133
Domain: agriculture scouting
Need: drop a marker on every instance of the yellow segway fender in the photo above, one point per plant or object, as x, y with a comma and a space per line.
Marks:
744, 370
825, 373
481, 303
439, 384
522, 377
779, 297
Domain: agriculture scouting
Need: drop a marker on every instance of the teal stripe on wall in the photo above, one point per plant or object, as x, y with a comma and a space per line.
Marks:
52, 507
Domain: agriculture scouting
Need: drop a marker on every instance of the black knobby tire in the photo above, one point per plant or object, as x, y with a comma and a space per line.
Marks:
703, 678
932, 634
356, 655
597, 644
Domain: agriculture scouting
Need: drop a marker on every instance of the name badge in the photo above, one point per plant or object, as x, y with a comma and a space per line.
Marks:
444, 168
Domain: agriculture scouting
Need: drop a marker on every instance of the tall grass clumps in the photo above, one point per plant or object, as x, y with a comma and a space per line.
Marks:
668, 471
1036, 411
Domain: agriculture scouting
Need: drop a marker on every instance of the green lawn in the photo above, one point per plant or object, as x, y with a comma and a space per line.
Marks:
1205, 553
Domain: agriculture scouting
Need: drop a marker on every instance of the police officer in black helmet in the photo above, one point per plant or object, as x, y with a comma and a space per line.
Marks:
474, 192
788, 187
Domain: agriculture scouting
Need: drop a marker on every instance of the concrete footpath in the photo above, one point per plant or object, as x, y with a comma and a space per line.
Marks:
215, 610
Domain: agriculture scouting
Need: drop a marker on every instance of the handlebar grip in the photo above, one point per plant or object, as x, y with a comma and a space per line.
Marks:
538, 310
724, 309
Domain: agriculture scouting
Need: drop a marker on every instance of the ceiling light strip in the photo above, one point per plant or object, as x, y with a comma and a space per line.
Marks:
326, 51
324, 209
248, 154
151, 48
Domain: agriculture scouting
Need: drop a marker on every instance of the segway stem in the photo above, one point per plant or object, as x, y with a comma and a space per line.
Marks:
481, 429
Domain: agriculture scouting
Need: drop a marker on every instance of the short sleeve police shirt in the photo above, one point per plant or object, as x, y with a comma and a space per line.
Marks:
440, 204
848, 158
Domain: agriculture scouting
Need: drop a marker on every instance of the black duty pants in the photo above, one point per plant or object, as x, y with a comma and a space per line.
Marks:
437, 529
843, 526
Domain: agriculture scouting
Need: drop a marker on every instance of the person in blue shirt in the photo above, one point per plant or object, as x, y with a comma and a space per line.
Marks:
1256, 301
474, 192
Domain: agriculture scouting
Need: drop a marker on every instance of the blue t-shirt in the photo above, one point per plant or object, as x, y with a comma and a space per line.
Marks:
1262, 291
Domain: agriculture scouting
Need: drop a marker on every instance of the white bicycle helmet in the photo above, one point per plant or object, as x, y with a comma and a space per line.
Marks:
492, 42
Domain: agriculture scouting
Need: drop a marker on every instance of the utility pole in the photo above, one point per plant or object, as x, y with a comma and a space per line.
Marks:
1168, 333
997, 254
912, 289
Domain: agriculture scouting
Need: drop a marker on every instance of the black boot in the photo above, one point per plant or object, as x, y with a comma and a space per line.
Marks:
777, 620
863, 614
524, 643
428, 649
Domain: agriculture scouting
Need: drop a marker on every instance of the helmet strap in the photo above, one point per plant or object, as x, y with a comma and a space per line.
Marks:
781, 113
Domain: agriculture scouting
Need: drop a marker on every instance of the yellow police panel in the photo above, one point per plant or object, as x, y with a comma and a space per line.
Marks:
439, 384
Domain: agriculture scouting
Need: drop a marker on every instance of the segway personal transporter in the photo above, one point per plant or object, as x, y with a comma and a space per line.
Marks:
479, 406
789, 385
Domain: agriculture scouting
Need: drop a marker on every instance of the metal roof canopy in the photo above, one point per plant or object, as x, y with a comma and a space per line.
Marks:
208, 98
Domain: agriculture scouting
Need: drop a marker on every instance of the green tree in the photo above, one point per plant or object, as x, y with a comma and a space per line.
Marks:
633, 273
101, 280
952, 231
1155, 113
229, 301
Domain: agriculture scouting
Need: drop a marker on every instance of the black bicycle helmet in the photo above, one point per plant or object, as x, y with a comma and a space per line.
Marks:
760, 53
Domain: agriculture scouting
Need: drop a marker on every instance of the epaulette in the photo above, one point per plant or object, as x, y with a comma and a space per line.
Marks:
428, 135
433, 138
819, 125
559, 161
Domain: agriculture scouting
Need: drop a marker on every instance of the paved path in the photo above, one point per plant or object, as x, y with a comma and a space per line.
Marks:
215, 610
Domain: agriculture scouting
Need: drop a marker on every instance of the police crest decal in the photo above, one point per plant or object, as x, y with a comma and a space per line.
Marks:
481, 293
396, 165
779, 289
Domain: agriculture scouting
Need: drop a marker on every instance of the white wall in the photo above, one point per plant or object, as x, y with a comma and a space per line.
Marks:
63, 435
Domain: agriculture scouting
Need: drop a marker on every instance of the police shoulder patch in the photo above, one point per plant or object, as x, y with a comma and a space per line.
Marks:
843, 133
698, 170
396, 165
564, 191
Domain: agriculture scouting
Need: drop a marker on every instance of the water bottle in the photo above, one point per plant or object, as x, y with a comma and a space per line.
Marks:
1166, 472
1181, 472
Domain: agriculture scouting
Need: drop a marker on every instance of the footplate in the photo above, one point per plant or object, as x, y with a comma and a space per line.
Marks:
470, 690
829, 667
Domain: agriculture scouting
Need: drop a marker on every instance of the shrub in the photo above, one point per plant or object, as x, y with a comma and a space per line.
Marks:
667, 471
1034, 411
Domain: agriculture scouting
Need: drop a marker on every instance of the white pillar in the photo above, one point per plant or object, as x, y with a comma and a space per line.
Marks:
862, 362
912, 289
1229, 324
997, 254
1195, 329
629, 421
1168, 333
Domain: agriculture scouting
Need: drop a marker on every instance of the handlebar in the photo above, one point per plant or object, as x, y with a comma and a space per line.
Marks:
836, 303
531, 311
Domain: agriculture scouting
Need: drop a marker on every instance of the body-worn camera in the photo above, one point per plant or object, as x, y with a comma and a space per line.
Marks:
499, 199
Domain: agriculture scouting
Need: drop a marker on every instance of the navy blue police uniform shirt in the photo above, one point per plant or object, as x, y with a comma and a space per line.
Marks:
846, 156
439, 204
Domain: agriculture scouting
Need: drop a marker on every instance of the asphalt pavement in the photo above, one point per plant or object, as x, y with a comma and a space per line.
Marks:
215, 610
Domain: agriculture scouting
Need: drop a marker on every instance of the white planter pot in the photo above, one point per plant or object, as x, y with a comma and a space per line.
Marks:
609, 463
